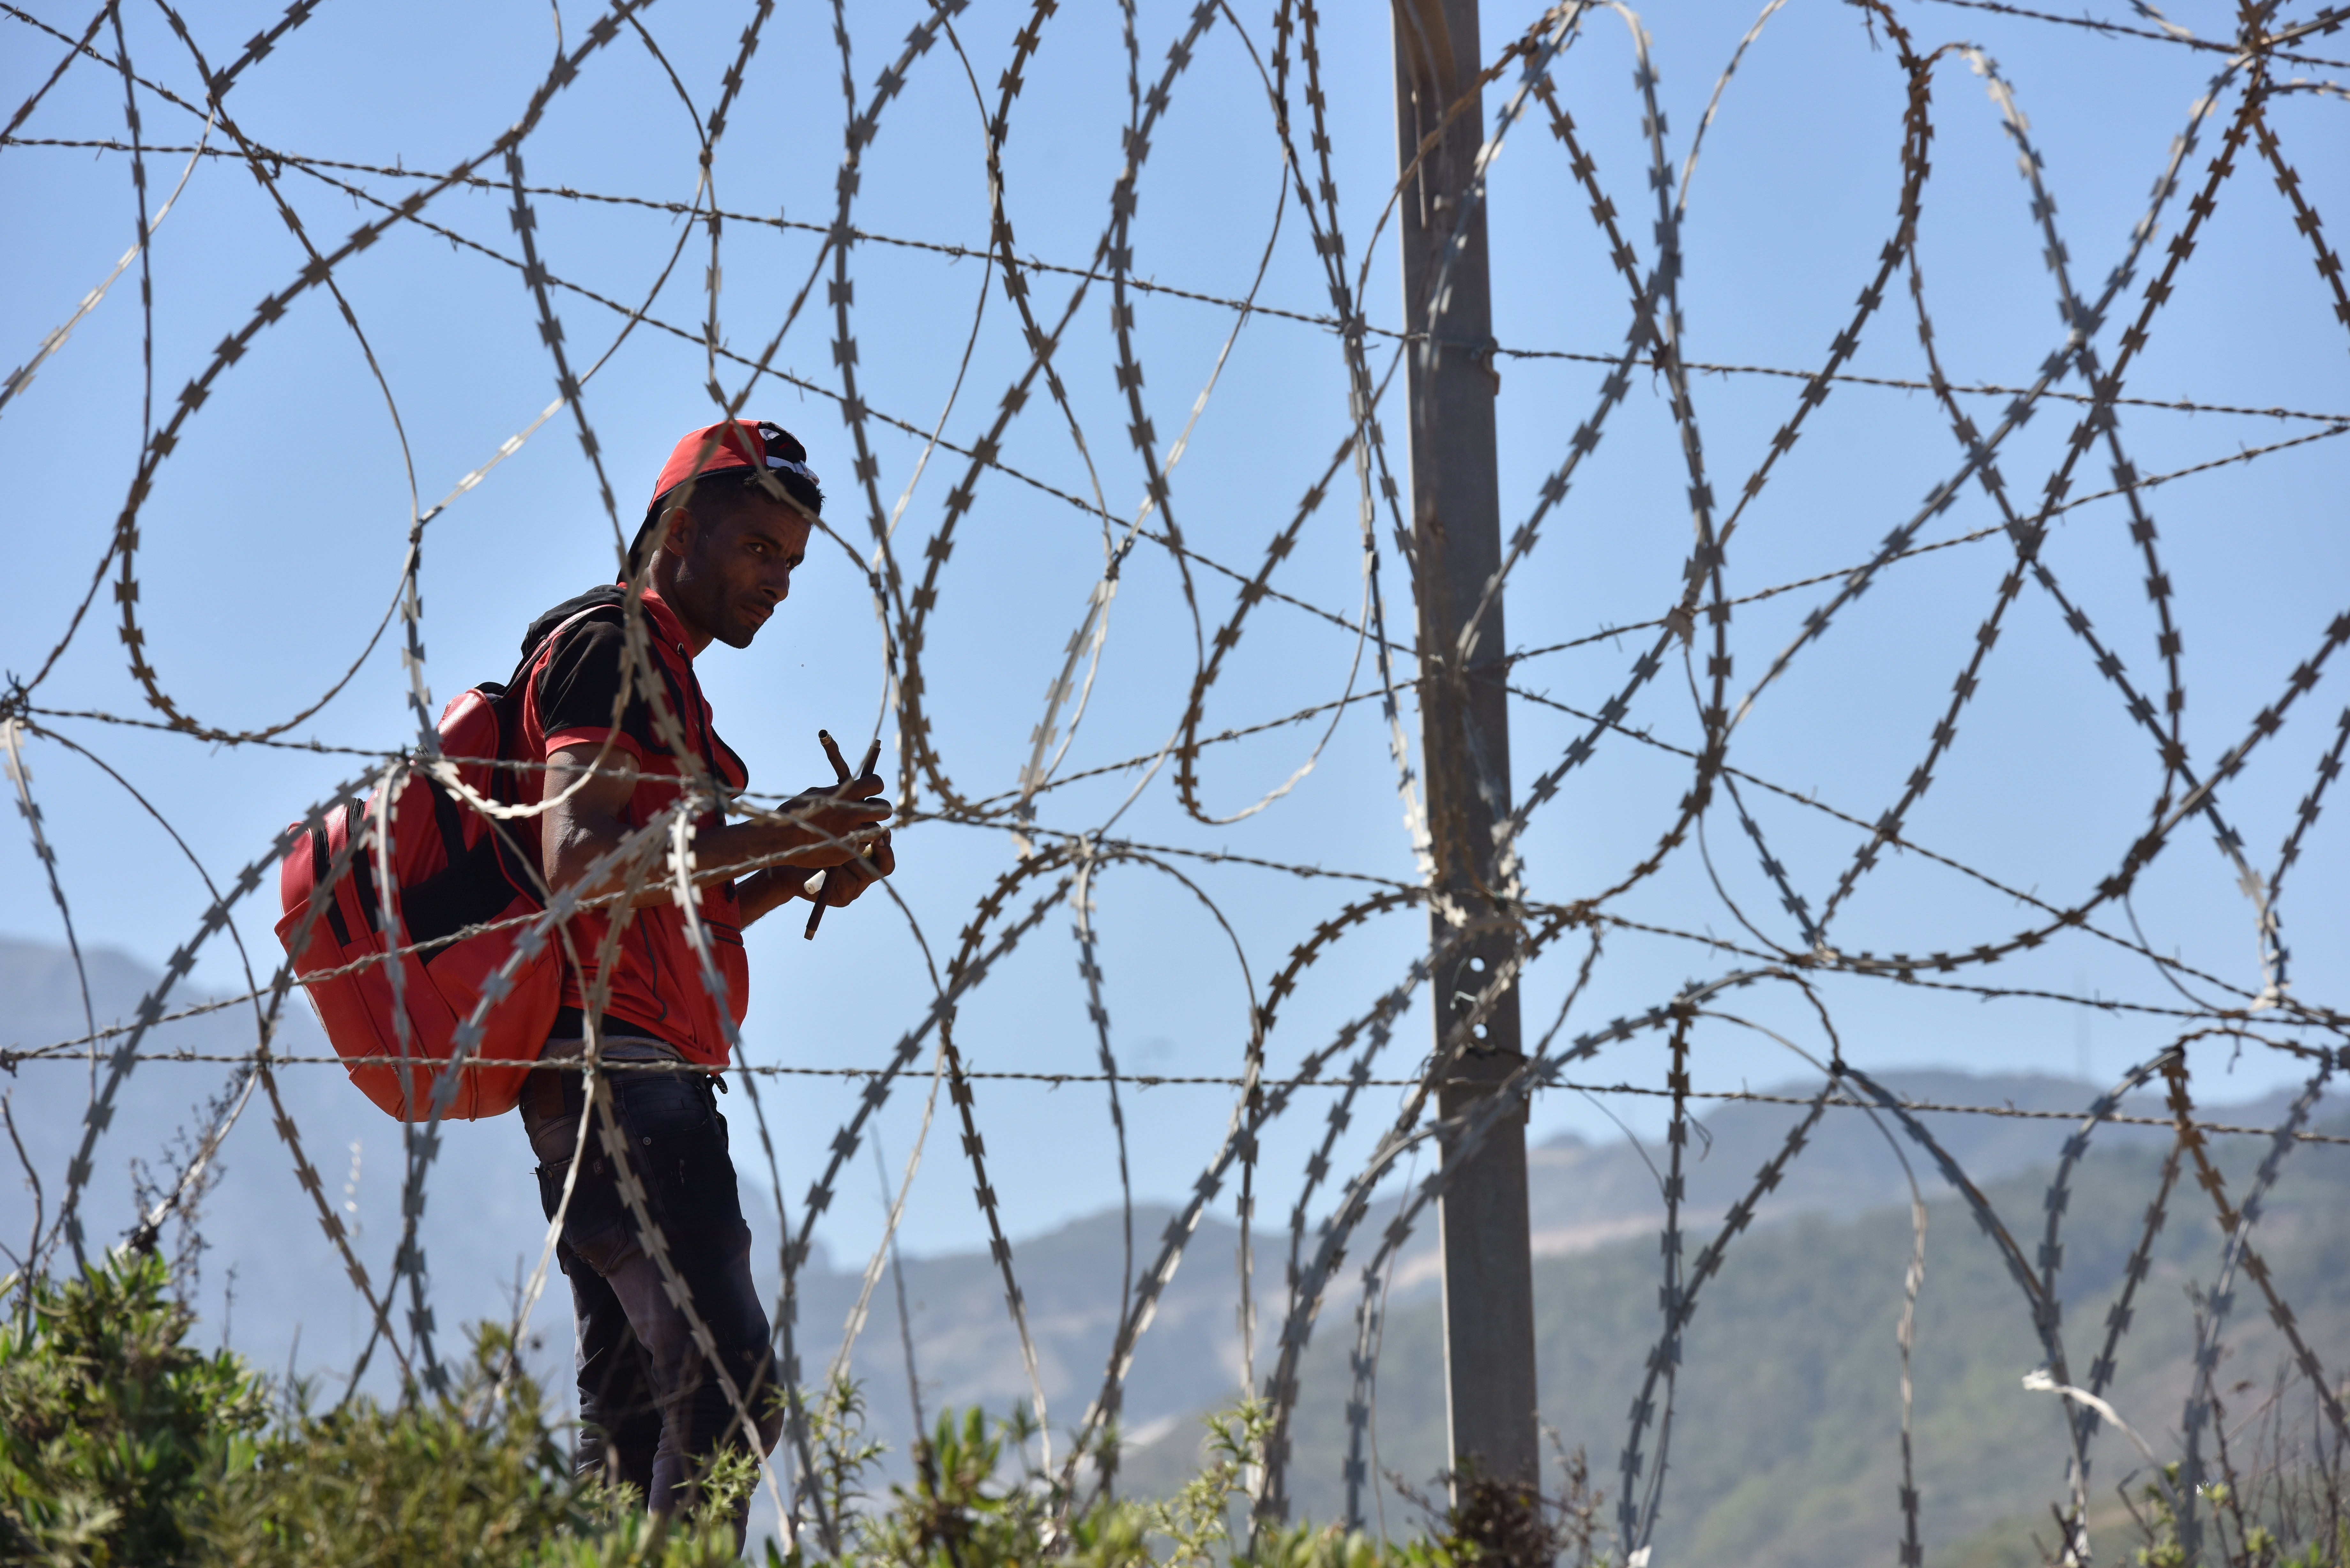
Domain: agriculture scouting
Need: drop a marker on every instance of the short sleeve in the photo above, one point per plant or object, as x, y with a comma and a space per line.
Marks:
578, 685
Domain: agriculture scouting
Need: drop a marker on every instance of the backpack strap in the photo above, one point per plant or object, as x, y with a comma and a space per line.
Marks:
518, 854
452, 826
321, 867
359, 826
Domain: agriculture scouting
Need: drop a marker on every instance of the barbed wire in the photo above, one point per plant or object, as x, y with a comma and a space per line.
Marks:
2326, 21
1164, 1080
1036, 264
1064, 840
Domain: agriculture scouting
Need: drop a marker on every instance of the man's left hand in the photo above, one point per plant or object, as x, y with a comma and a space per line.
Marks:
847, 882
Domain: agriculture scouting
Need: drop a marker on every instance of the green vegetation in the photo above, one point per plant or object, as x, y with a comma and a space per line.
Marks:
125, 1446
109, 1427
2254, 1544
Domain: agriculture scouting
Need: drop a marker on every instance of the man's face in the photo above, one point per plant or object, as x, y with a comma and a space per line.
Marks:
733, 571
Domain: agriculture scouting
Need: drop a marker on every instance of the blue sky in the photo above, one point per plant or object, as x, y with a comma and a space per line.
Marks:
271, 548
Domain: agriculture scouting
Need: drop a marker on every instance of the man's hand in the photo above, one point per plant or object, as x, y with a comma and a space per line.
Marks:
844, 881
837, 842
827, 821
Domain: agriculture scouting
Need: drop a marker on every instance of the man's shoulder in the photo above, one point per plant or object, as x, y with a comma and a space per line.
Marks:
593, 604
573, 667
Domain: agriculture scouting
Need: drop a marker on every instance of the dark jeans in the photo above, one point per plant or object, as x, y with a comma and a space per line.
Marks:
650, 1409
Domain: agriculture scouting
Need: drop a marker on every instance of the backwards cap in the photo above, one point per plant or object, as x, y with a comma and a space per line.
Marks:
735, 444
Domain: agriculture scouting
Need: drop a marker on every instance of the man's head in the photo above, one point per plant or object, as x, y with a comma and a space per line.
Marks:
738, 499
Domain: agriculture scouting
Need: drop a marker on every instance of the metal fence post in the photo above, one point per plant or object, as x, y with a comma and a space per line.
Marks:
1488, 1333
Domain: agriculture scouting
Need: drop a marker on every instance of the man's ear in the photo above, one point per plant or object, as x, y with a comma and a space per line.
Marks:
684, 534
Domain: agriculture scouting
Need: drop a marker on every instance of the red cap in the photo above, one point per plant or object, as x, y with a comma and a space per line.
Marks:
736, 444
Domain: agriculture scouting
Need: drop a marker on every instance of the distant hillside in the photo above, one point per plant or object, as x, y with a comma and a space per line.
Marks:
1582, 1194
1585, 1198
1784, 1445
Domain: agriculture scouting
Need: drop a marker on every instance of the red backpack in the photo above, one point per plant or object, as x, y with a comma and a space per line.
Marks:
453, 867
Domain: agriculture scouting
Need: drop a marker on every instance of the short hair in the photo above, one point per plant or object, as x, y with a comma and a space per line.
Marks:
718, 496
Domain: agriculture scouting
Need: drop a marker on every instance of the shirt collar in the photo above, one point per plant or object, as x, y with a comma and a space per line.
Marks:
664, 625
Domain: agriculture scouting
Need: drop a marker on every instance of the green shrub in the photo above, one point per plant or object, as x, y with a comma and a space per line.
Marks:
112, 1431
474, 1478
121, 1446
962, 1510
2254, 1545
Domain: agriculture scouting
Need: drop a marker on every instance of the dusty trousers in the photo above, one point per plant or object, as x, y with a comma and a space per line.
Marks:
651, 1408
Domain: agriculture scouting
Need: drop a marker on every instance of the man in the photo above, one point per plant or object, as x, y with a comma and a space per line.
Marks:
728, 525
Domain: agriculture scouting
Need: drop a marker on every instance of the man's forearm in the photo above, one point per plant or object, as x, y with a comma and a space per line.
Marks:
740, 848
755, 855
763, 892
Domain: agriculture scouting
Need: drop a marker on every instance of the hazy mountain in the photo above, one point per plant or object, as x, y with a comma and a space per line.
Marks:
1785, 1405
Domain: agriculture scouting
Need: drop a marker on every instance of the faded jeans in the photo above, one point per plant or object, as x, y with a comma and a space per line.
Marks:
651, 1413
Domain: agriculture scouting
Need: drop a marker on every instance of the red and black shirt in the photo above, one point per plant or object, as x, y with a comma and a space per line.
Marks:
659, 985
